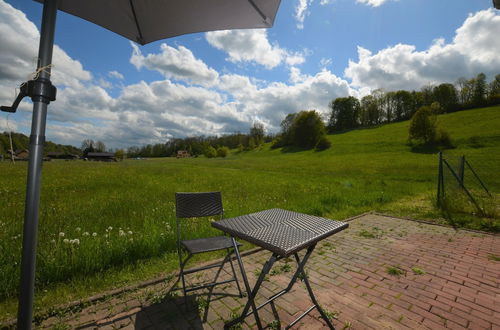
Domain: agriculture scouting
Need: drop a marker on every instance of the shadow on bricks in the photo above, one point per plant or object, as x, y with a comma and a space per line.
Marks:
174, 313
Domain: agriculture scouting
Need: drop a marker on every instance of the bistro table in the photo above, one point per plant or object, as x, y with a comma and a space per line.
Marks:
284, 233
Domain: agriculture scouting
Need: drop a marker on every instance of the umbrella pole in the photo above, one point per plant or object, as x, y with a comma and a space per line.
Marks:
37, 140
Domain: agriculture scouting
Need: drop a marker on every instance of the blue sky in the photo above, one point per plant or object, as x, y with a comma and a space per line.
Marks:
222, 82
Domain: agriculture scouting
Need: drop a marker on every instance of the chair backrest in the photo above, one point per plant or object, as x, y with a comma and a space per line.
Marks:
200, 204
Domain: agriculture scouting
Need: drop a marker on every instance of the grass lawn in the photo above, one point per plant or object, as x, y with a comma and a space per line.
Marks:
104, 225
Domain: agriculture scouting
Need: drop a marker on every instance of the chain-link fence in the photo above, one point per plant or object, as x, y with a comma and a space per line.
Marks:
469, 184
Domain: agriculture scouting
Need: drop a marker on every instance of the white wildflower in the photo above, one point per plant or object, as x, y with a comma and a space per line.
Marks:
53, 241
61, 234
94, 234
66, 240
75, 241
122, 233
86, 233
78, 229
130, 232
110, 228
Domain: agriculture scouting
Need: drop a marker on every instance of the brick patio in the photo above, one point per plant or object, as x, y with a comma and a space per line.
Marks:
381, 273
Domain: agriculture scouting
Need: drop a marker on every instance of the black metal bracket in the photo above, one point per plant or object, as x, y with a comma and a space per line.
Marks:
40, 90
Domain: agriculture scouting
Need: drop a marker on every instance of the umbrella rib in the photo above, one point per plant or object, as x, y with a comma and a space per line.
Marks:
257, 9
140, 39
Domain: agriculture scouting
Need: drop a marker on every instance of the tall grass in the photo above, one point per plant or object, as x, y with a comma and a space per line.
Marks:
96, 216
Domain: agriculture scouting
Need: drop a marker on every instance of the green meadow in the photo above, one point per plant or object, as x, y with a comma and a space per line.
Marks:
104, 225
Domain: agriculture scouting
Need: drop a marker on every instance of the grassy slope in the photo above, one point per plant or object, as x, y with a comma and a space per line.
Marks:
369, 169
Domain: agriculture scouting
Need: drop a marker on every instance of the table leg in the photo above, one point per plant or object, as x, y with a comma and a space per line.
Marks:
251, 293
310, 291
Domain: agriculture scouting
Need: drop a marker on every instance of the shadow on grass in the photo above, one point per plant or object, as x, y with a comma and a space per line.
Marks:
293, 149
425, 149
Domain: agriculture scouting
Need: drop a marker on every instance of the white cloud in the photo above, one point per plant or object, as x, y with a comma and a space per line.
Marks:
252, 46
373, 3
7, 125
301, 11
175, 63
115, 74
325, 62
474, 49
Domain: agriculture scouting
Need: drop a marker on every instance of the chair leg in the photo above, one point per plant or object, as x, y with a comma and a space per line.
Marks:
182, 264
234, 274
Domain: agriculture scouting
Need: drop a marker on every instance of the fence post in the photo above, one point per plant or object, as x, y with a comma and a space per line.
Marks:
461, 170
440, 188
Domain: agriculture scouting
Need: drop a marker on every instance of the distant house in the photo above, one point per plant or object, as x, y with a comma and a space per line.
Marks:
101, 156
21, 154
61, 155
183, 154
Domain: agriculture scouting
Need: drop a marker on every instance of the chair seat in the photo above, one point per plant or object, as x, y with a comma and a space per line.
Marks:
208, 244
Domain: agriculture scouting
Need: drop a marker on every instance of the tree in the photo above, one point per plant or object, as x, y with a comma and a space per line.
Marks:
423, 126
286, 134
403, 103
100, 146
345, 114
308, 129
369, 111
120, 154
479, 93
87, 146
466, 89
447, 96
494, 90
257, 133
210, 152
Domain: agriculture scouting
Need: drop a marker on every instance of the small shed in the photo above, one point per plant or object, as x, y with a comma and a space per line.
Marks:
22, 154
101, 156
183, 154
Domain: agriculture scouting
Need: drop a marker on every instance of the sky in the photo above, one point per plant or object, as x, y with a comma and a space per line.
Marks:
222, 82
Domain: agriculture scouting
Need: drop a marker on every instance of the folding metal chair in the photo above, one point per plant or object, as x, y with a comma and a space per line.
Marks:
197, 205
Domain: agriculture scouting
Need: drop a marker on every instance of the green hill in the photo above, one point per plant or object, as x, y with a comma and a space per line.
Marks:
21, 141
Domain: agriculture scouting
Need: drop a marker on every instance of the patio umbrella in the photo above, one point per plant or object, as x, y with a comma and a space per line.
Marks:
142, 21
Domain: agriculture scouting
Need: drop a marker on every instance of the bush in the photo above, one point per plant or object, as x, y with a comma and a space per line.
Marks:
443, 139
210, 152
323, 144
222, 151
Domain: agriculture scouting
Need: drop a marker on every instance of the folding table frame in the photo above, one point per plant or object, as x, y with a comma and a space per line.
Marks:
284, 233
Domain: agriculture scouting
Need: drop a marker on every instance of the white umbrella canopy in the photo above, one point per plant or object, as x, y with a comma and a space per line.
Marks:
145, 21
142, 21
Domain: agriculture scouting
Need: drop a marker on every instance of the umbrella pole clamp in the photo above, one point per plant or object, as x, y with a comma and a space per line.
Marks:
40, 90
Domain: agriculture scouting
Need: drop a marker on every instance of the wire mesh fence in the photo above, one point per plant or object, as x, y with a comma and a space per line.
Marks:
468, 184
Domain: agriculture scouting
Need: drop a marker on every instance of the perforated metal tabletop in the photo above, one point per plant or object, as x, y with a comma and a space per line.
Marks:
280, 231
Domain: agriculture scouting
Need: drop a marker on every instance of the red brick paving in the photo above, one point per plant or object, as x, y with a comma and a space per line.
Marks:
459, 287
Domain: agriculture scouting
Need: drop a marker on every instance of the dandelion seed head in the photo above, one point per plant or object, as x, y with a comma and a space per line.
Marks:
94, 234
86, 233
78, 229
61, 234
130, 232
66, 240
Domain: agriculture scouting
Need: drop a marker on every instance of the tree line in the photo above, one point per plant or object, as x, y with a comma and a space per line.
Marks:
211, 146
386, 107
